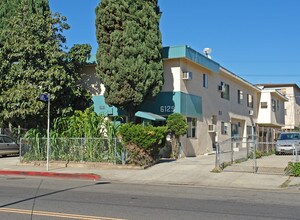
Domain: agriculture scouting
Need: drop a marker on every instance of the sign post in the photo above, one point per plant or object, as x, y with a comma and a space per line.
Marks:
46, 98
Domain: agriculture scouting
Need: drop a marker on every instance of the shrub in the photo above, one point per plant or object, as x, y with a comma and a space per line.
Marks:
142, 142
258, 154
293, 169
177, 126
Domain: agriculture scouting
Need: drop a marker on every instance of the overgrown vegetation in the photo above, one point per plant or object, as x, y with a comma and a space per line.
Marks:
260, 154
293, 169
142, 142
85, 136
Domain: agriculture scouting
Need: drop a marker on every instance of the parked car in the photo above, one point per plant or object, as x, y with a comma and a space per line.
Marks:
287, 142
8, 146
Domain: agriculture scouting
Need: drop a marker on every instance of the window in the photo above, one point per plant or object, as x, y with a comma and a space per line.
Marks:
273, 105
240, 97
205, 80
192, 124
224, 91
277, 105
223, 128
264, 104
249, 100
7, 140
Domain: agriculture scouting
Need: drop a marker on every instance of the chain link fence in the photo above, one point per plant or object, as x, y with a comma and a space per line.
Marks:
73, 149
239, 149
249, 151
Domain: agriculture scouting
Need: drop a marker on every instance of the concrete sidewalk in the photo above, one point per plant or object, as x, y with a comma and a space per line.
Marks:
195, 171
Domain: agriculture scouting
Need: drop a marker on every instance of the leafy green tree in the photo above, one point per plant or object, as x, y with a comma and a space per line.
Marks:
32, 61
9, 8
177, 126
129, 54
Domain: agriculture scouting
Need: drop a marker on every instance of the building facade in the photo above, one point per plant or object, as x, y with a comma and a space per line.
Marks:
217, 104
270, 120
291, 106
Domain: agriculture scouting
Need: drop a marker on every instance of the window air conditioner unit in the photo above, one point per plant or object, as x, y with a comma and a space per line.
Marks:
187, 75
211, 128
250, 112
222, 88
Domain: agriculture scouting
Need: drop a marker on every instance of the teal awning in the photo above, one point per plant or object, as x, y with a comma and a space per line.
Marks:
149, 116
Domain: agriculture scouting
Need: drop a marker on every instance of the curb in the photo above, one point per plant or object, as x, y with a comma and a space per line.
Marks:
89, 176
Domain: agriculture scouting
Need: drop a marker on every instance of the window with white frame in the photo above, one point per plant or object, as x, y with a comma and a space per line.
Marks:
205, 80
240, 97
249, 101
192, 125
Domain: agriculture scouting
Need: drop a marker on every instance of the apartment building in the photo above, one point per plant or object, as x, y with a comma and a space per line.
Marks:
291, 106
271, 110
217, 103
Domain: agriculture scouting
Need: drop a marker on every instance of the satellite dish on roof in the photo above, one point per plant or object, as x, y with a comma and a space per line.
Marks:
207, 51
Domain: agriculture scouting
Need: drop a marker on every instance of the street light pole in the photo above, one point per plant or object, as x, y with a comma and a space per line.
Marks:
48, 132
46, 98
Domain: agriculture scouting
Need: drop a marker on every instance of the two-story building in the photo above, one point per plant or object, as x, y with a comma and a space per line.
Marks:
291, 106
270, 120
217, 103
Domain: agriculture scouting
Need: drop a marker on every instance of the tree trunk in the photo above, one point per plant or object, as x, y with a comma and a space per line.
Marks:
174, 143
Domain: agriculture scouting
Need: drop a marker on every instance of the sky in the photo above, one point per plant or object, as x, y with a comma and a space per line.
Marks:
259, 40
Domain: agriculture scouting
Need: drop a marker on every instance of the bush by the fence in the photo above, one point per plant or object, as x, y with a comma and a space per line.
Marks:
143, 142
258, 154
293, 169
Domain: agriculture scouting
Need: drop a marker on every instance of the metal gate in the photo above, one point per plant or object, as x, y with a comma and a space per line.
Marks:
249, 155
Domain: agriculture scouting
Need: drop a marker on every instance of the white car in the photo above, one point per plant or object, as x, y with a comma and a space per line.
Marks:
287, 142
8, 146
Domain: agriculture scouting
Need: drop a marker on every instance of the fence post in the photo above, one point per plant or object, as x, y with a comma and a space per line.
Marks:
20, 151
247, 148
254, 158
81, 148
115, 152
231, 149
296, 157
217, 164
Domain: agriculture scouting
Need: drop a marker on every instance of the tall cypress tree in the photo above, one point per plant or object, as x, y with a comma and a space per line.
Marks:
129, 53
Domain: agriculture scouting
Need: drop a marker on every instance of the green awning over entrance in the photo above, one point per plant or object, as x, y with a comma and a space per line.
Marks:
149, 116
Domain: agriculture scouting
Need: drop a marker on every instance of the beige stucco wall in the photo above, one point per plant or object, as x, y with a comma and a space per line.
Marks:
292, 106
228, 111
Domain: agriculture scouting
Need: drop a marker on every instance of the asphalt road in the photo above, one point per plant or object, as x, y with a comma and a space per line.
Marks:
36, 198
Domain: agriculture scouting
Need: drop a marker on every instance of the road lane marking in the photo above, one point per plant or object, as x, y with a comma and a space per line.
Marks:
56, 214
